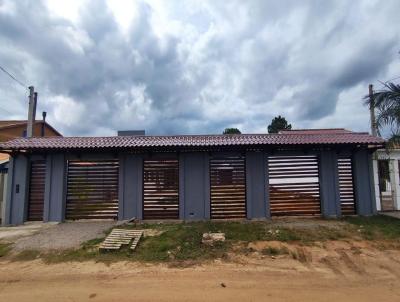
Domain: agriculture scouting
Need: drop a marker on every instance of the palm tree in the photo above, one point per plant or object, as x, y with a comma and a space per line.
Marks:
387, 103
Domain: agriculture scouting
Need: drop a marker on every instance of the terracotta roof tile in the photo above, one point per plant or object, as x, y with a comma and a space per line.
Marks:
137, 142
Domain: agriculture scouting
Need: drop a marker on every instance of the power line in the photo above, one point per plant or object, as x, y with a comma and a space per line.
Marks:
12, 77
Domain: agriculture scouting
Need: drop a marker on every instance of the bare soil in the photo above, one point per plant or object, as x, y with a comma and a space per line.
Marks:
329, 271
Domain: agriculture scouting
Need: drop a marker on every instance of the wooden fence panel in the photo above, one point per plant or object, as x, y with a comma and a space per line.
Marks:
346, 186
36, 190
294, 185
92, 189
161, 189
228, 187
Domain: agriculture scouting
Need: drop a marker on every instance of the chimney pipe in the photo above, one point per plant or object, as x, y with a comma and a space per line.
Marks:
31, 111
44, 113
374, 131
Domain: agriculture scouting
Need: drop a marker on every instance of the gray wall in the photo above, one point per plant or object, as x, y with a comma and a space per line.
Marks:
17, 195
329, 184
257, 193
54, 200
363, 183
130, 187
194, 184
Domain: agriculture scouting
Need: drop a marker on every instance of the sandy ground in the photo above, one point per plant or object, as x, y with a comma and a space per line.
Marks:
332, 271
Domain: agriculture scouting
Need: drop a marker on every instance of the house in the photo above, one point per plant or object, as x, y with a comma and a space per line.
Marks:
387, 179
10, 129
325, 172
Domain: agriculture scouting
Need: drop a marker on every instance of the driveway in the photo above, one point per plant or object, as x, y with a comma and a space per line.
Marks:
53, 236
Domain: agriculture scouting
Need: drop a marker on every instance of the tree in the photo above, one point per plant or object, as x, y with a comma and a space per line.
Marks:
231, 131
387, 104
279, 123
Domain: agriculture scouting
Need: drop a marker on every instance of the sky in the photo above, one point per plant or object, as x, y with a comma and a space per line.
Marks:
196, 67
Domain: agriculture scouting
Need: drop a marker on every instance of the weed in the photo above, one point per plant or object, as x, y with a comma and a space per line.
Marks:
376, 227
4, 249
27, 255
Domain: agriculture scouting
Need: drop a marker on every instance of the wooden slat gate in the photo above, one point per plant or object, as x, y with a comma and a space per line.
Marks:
346, 186
294, 185
36, 190
228, 187
92, 189
161, 189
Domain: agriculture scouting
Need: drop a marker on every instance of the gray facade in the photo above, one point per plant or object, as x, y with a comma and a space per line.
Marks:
194, 183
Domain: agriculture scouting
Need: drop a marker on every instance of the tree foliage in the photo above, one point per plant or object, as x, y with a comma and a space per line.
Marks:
231, 131
279, 123
387, 104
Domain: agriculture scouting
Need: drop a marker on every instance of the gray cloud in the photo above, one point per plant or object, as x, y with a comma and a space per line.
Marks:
210, 66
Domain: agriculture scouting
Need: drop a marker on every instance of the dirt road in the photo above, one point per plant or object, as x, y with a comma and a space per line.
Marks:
271, 281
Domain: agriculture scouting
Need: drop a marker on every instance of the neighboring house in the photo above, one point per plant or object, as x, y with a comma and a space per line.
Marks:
10, 129
325, 172
387, 179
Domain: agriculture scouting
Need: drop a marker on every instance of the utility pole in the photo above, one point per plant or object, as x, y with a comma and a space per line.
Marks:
372, 111
31, 111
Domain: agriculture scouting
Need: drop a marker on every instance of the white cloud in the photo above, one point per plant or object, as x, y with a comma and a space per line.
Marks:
67, 112
196, 66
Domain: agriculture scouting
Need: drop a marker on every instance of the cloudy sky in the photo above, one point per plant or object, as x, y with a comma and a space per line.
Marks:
187, 67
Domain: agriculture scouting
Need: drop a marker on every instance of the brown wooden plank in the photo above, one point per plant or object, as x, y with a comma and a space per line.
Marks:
92, 189
36, 190
300, 195
228, 188
161, 189
346, 186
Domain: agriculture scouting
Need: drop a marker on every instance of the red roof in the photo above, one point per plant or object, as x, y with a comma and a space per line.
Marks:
318, 131
303, 137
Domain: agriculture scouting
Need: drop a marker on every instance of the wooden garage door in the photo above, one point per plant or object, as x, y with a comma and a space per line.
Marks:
294, 185
92, 189
36, 190
161, 189
346, 186
228, 187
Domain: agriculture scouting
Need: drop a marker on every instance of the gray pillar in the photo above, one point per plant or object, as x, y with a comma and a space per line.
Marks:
329, 184
363, 183
9, 193
195, 185
130, 187
17, 197
55, 188
256, 185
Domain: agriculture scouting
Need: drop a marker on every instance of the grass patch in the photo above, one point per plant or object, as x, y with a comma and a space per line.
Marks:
181, 242
27, 255
4, 249
376, 227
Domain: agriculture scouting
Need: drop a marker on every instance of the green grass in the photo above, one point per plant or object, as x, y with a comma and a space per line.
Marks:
4, 249
27, 255
181, 242
376, 227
